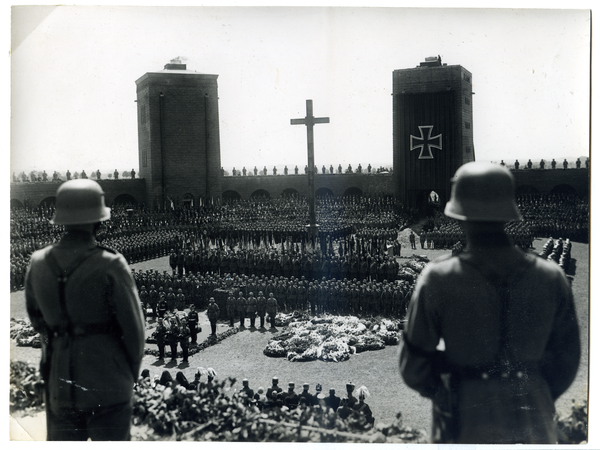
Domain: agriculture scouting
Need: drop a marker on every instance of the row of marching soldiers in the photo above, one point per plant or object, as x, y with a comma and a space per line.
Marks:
275, 396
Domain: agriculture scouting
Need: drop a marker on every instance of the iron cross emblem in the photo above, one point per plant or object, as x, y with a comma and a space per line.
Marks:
425, 143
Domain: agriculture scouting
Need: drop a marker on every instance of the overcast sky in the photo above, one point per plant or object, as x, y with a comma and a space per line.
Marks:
74, 71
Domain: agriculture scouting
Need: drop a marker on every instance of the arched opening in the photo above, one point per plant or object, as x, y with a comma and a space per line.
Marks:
290, 192
353, 192
124, 199
425, 202
526, 189
324, 192
433, 199
231, 195
564, 189
188, 201
260, 193
48, 201
14, 203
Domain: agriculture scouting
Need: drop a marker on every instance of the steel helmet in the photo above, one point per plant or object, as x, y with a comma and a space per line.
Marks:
80, 202
483, 192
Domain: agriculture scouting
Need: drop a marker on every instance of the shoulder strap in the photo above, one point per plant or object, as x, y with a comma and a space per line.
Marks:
62, 275
502, 286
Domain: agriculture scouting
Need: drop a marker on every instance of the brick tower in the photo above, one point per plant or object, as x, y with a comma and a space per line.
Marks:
178, 136
432, 129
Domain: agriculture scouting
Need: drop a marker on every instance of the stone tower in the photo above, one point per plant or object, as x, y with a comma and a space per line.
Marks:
178, 136
432, 129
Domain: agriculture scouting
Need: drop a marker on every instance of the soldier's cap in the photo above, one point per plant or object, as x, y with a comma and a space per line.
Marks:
291, 384
245, 381
305, 385
275, 380
349, 386
332, 391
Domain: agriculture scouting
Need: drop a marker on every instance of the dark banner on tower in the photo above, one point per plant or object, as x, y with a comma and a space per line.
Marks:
427, 139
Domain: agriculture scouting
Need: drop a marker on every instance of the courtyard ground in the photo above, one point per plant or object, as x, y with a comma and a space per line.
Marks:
241, 356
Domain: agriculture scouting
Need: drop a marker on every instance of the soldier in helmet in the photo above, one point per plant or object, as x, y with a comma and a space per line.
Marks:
173, 261
153, 300
192, 320
144, 300
162, 308
261, 308
213, 314
241, 308
272, 309
160, 335
172, 325
231, 309
535, 348
180, 300
251, 305
83, 300
184, 340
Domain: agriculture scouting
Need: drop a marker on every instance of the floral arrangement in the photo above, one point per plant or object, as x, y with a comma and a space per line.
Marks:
332, 338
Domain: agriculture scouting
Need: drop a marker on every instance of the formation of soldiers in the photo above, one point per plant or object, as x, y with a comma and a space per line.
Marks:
354, 262
553, 164
447, 234
264, 172
37, 177
556, 215
262, 231
232, 291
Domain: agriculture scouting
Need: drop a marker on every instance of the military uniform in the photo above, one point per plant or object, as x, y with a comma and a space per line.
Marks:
251, 305
192, 320
231, 309
261, 308
184, 340
173, 336
241, 309
213, 314
98, 339
160, 337
272, 309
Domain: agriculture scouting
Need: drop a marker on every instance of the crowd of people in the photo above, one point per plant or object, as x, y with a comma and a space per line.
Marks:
36, 176
264, 171
39, 177
542, 164
269, 236
556, 215
442, 232
343, 296
272, 397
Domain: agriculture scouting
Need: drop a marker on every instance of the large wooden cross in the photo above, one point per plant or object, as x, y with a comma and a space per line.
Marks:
310, 121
